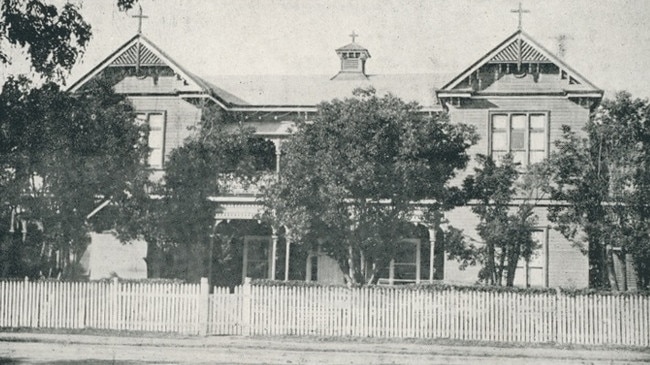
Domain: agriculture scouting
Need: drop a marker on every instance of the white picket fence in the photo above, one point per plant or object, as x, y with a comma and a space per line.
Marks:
393, 312
102, 305
389, 312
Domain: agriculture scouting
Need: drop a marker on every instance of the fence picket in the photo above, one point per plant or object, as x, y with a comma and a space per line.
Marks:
591, 319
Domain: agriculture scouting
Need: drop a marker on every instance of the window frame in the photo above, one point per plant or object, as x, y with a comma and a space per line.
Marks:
262, 239
523, 266
417, 242
147, 113
527, 134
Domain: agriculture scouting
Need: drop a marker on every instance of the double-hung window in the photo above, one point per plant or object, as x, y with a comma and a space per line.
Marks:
523, 134
156, 140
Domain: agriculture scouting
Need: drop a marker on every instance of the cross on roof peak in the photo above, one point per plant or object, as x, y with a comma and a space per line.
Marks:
521, 12
140, 17
354, 36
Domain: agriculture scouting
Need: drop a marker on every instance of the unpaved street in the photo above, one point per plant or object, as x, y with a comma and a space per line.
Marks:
80, 349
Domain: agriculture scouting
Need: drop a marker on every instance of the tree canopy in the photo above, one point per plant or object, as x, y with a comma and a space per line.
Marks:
603, 174
350, 179
61, 156
179, 222
505, 228
52, 38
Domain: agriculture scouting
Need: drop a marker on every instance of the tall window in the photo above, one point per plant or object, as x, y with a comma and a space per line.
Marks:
156, 141
521, 134
533, 272
257, 257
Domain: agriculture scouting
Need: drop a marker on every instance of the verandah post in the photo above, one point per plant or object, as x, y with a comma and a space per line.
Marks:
204, 307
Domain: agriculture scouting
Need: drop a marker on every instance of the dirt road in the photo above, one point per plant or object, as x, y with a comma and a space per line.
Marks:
82, 349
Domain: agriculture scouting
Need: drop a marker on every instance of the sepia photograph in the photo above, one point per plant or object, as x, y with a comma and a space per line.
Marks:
324, 182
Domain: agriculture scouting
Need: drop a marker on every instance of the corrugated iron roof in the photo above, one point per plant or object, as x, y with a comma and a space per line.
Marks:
310, 90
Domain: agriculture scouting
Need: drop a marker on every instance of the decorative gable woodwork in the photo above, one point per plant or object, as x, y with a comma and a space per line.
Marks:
131, 55
511, 54
518, 66
140, 67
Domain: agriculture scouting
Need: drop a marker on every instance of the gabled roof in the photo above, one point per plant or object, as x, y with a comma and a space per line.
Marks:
311, 90
150, 55
305, 92
261, 91
531, 52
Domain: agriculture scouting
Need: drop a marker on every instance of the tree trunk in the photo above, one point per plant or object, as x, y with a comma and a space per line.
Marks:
512, 269
351, 266
611, 274
154, 260
362, 266
490, 264
499, 271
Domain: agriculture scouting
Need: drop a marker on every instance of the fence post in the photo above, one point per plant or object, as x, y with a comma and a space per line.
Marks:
246, 307
204, 297
115, 304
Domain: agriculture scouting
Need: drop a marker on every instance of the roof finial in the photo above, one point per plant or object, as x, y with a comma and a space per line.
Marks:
140, 17
354, 36
521, 12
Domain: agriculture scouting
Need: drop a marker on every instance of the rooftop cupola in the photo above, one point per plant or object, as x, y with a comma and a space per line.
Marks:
353, 61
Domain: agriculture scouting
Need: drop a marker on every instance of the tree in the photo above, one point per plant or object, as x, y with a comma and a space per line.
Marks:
62, 155
39, 157
52, 38
356, 177
179, 224
602, 175
507, 233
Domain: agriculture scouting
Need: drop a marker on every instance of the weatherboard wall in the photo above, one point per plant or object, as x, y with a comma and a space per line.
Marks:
180, 116
476, 112
566, 265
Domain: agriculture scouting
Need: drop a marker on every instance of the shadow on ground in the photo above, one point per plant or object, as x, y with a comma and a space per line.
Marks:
10, 361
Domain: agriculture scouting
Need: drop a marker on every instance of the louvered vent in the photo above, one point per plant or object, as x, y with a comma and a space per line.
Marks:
528, 54
130, 57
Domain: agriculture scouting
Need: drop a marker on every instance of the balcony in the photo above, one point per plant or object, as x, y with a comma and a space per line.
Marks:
232, 185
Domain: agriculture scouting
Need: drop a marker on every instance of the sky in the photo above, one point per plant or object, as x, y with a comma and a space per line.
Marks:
608, 41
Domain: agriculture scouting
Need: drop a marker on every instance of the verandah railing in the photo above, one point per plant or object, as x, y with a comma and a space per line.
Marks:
299, 309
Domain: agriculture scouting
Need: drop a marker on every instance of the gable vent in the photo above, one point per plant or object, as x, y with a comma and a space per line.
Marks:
528, 54
130, 57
